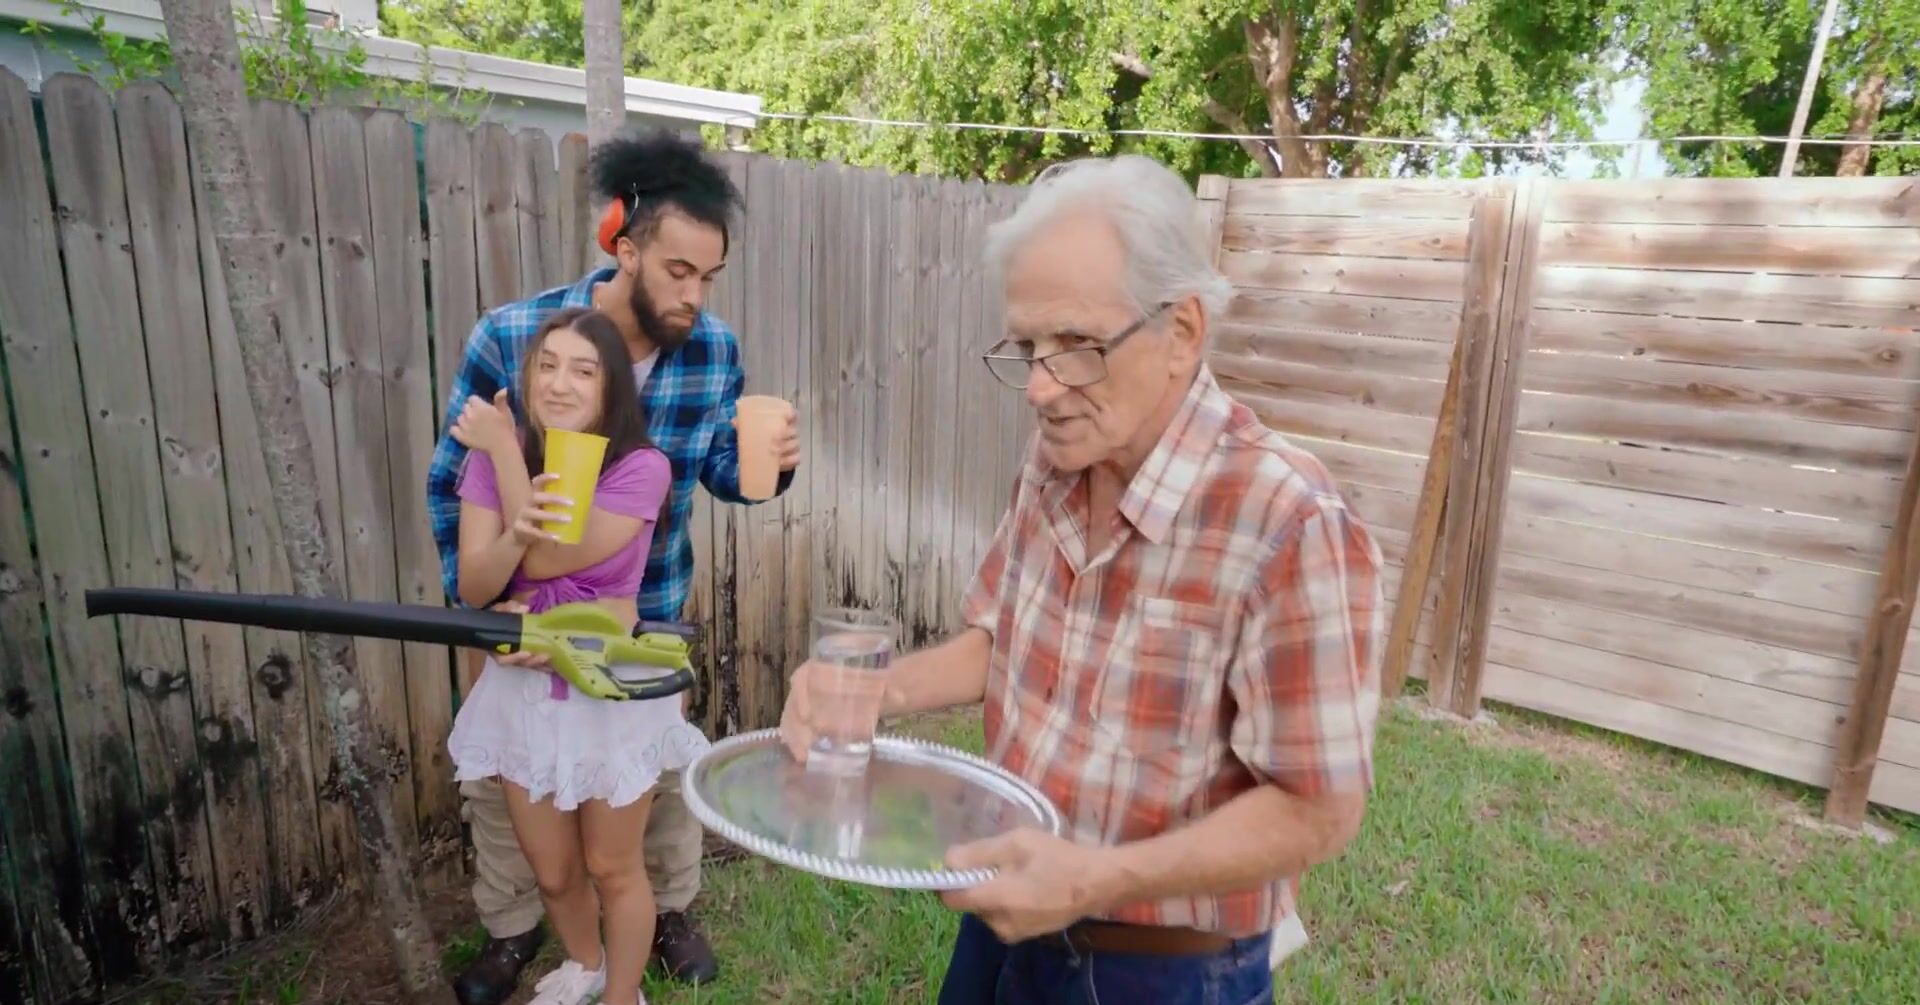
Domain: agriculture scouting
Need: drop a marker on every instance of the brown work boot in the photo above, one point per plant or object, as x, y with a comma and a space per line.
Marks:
494, 975
681, 951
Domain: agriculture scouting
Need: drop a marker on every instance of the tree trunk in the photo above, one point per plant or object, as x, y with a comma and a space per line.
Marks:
214, 104
1867, 100
606, 71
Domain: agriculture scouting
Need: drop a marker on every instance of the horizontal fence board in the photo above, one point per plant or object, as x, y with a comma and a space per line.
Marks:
1790, 535
1686, 563
1818, 632
1400, 357
1825, 202
1863, 497
1731, 701
1825, 678
1861, 401
1384, 468
1396, 317
1404, 395
1354, 424
1856, 448
1760, 345
1386, 237
1738, 296
1844, 251
1406, 278
1799, 760
1410, 199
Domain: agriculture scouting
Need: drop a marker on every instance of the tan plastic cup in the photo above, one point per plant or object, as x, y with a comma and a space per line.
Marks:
576, 458
761, 419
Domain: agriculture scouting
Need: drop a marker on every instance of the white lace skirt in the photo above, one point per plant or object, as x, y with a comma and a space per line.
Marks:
572, 750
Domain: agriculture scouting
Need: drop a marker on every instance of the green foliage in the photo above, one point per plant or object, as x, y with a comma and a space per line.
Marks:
282, 58
1370, 67
1736, 67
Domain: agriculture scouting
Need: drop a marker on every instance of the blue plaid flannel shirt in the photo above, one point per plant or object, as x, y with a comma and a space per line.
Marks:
689, 398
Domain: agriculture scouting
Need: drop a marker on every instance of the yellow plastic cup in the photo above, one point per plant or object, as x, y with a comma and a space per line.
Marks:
576, 458
761, 419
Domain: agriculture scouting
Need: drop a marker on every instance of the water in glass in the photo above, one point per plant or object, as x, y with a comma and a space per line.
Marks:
851, 653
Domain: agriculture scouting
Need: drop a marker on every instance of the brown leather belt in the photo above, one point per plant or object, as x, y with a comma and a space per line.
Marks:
1146, 940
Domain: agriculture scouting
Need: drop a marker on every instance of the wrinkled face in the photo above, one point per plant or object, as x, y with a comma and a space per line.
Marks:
566, 384
670, 275
1065, 290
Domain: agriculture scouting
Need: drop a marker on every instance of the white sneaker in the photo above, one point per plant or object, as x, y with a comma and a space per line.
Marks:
570, 984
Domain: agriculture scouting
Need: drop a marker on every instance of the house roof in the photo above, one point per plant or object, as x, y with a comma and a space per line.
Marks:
390, 57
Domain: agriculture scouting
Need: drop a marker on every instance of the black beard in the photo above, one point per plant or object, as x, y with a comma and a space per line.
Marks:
664, 337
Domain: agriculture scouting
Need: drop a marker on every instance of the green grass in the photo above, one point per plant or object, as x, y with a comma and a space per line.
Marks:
1525, 863
1529, 862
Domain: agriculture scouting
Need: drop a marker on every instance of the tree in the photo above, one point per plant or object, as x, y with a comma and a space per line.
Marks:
214, 103
1734, 67
1278, 71
606, 70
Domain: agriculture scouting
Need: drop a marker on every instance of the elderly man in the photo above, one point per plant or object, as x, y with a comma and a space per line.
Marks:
1175, 633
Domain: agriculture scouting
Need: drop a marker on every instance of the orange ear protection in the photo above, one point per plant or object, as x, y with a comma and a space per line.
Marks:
613, 221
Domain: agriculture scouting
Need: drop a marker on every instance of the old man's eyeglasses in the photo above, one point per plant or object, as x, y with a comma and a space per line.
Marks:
1077, 367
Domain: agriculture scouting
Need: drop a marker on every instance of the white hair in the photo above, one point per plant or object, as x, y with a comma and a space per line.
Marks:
1157, 216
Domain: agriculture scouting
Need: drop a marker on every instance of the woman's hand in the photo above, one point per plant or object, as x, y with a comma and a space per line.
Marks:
529, 524
533, 661
486, 426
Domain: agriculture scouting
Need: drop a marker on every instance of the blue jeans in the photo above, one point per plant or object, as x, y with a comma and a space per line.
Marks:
1047, 971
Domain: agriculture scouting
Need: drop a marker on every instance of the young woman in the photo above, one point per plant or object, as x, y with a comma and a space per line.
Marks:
578, 771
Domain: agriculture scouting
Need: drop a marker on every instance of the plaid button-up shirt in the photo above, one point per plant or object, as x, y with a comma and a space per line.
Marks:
1227, 636
689, 399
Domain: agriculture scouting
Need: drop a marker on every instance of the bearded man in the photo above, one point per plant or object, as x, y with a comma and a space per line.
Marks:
665, 222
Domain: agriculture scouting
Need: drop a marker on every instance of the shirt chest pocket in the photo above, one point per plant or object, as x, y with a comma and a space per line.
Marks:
1160, 688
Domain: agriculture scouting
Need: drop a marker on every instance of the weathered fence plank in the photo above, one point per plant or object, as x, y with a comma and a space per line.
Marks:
286, 168
800, 520
91, 204
534, 193
454, 297
166, 251
577, 219
56, 894
896, 358
43, 370
496, 225
350, 297
275, 674
411, 423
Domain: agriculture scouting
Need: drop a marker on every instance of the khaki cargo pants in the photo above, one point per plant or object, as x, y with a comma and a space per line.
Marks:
504, 892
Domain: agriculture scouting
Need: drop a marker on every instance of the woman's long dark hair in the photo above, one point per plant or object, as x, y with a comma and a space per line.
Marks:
621, 420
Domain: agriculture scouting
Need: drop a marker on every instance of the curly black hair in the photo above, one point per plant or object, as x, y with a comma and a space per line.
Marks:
661, 169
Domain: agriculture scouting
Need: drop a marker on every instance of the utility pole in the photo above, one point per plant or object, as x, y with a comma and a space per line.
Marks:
1792, 153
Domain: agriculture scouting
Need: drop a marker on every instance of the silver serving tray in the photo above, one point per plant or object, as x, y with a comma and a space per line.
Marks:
889, 827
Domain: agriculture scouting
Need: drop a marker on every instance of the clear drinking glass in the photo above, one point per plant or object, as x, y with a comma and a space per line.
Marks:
852, 649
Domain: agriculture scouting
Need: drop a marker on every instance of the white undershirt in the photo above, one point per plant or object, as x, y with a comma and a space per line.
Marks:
644, 369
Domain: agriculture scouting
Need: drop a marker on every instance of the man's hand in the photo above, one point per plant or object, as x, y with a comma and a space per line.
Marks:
786, 443
485, 426
1042, 883
801, 720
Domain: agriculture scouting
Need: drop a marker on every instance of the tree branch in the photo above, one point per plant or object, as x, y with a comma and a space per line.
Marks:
1273, 50
1132, 64
1867, 101
1236, 123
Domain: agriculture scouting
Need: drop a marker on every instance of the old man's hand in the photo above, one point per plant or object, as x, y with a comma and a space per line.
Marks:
1041, 885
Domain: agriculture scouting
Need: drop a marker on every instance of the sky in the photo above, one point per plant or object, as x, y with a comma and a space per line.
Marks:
1624, 119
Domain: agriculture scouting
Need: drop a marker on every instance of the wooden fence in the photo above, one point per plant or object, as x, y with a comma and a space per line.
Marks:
1599, 548
166, 790
1684, 420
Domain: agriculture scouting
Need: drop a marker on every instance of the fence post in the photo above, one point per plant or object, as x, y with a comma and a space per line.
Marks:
1211, 190
1490, 498
1479, 358
1858, 747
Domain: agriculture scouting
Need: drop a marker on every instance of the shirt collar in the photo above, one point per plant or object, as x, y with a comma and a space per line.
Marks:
1169, 473
1159, 489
